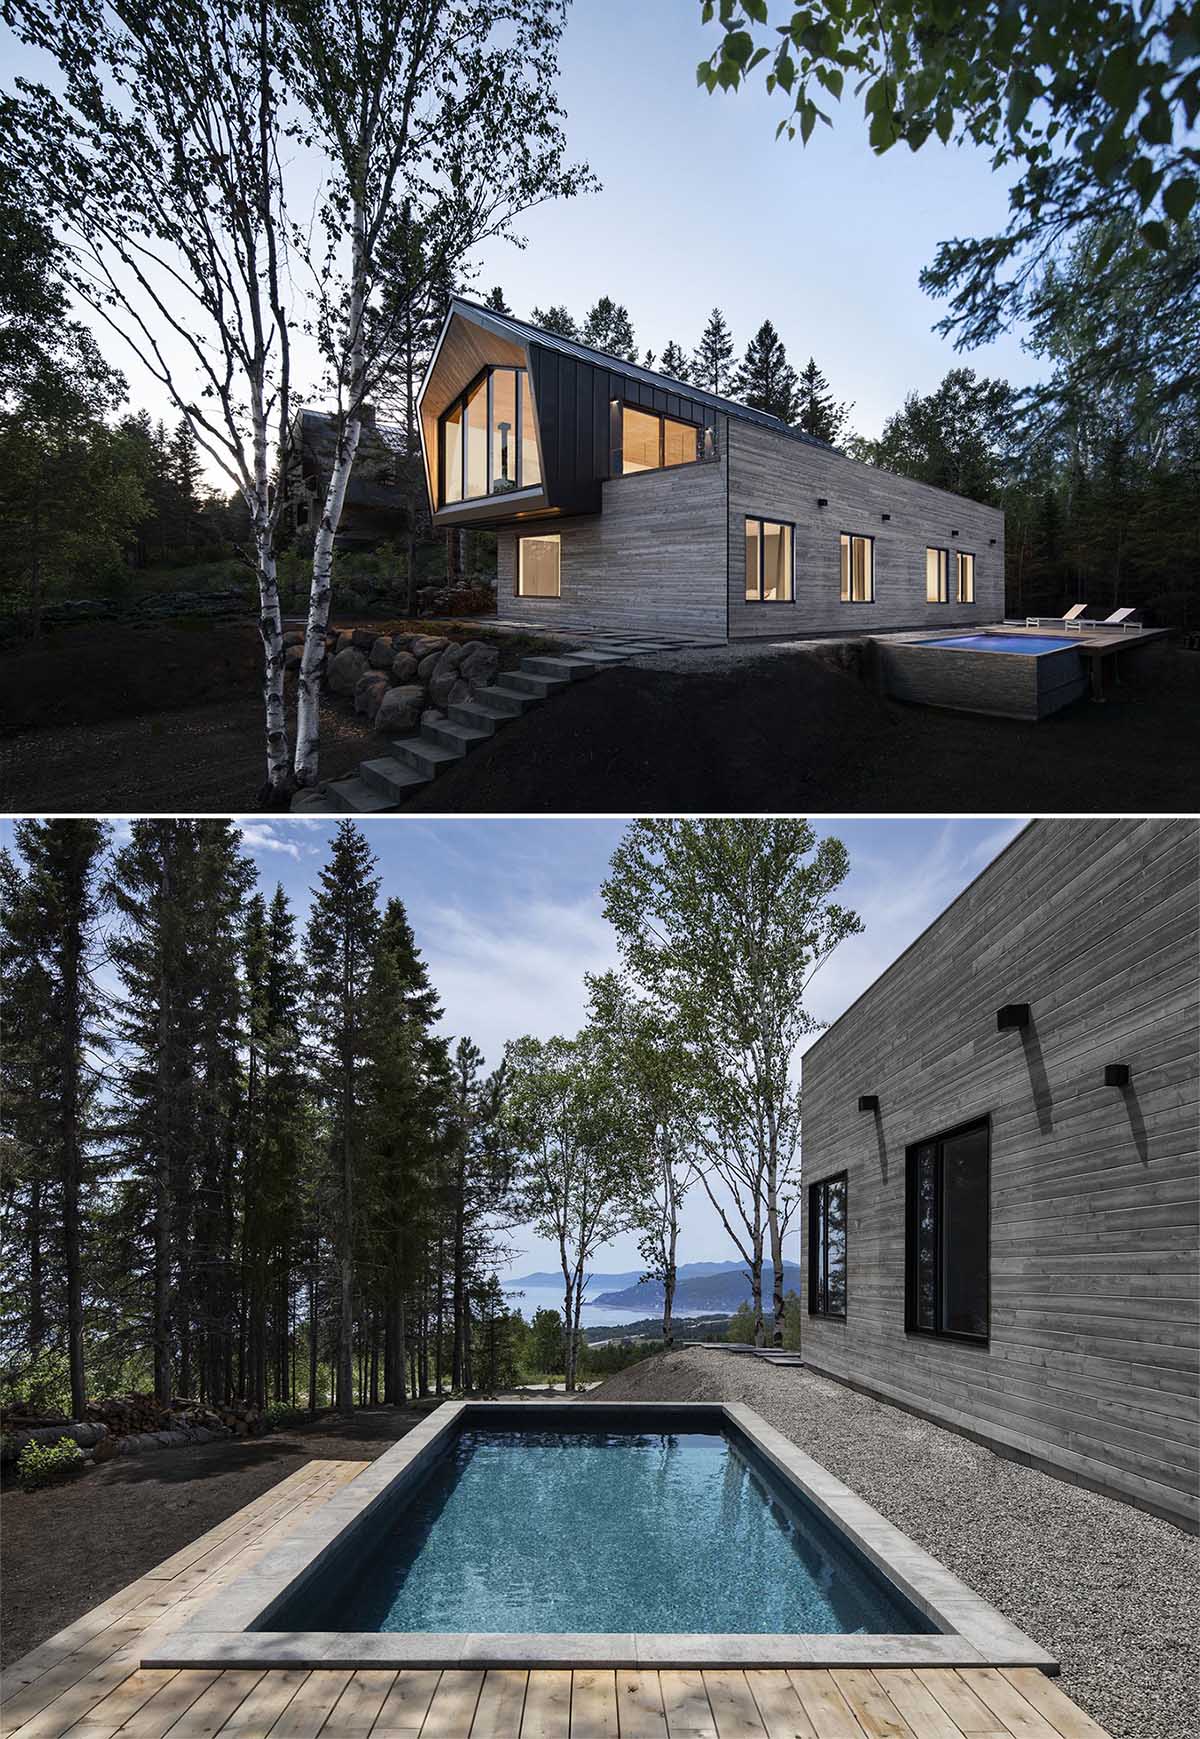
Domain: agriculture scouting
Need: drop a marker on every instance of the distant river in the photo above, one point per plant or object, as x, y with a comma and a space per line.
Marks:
592, 1315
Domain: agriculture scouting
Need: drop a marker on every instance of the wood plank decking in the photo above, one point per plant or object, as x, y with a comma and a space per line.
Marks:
86, 1681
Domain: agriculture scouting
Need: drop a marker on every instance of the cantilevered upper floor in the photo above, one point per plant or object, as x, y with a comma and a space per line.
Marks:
518, 423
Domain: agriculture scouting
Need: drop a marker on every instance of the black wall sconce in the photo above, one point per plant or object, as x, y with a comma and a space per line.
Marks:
1012, 1015
953, 534
1116, 1074
991, 540
822, 501
868, 1102
885, 516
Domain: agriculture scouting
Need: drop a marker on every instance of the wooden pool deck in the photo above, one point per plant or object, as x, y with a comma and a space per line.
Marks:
87, 1682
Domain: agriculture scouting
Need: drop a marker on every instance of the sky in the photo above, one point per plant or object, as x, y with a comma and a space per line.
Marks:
702, 206
508, 916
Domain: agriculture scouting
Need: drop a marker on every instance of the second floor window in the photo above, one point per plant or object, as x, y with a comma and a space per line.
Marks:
489, 438
937, 576
646, 441
965, 563
827, 1247
858, 569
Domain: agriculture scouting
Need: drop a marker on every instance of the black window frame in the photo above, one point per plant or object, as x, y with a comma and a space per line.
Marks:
941, 550
616, 437
761, 520
958, 556
818, 1227
911, 1275
867, 537
459, 403
523, 537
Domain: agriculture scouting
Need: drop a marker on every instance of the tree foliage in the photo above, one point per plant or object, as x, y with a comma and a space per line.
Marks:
766, 380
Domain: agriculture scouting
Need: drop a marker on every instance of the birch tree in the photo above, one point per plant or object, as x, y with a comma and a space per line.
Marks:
577, 1175
440, 124
158, 158
722, 924
649, 1066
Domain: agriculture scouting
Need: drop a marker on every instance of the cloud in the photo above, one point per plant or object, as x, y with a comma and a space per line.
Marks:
273, 836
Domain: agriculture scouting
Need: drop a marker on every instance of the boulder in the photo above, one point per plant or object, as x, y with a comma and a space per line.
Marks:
344, 641
345, 669
400, 708
440, 685
294, 637
363, 638
293, 657
460, 693
404, 667
381, 653
451, 658
423, 644
427, 665
480, 666
369, 690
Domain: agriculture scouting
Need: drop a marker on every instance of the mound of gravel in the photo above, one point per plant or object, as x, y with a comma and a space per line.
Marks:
1114, 1593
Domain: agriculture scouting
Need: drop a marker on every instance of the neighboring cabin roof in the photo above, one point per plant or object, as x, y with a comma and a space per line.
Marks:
391, 434
525, 332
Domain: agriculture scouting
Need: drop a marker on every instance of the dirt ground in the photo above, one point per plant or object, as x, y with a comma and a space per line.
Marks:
796, 733
64, 1550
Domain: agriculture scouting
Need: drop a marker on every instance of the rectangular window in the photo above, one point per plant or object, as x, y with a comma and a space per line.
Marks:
452, 488
646, 441
937, 576
477, 442
858, 569
504, 430
946, 1242
965, 562
538, 567
768, 562
827, 1247
531, 468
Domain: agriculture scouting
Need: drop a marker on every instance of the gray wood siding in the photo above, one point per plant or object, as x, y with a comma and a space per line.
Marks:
1091, 1367
652, 561
777, 478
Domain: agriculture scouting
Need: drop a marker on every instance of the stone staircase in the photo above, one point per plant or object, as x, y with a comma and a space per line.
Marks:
388, 780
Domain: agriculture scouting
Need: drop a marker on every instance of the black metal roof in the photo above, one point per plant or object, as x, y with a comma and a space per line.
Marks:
523, 329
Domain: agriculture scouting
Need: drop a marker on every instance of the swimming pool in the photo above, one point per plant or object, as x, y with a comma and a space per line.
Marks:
598, 1530
1028, 644
619, 1534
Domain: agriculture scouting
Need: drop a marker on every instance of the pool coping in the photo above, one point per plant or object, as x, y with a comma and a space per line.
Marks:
969, 1631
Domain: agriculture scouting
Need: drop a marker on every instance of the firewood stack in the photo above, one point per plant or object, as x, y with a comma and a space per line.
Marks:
129, 1424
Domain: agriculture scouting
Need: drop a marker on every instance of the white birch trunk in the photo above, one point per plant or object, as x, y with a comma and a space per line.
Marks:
308, 699
270, 620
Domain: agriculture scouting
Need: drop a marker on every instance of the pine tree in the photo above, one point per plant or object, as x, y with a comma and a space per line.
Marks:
51, 1007
712, 367
648, 359
184, 484
339, 946
609, 328
818, 413
766, 381
495, 301
555, 319
675, 362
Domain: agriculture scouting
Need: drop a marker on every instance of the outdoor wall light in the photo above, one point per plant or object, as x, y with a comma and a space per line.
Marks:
991, 540
868, 1102
885, 516
1116, 1074
822, 501
1013, 1014
953, 534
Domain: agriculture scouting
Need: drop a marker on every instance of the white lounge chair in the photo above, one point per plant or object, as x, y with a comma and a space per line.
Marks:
1120, 619
1072, 616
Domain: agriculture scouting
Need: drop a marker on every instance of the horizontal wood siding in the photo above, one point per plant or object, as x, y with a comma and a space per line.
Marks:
652, 561
776, 477
1091, 1366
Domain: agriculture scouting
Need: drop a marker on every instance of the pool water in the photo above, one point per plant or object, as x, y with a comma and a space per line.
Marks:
1004, 642
596, 1530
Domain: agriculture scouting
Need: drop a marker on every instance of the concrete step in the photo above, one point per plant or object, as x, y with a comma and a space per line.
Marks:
477, 716
313, 802
426, 758
599, 655
358, 797
452, 734
391, 777
569, 666
542, 686
513, 700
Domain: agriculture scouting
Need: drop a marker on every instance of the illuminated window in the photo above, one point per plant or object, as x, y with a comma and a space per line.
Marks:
858, 569
966, 577
827, 1247
649, 442
489, 438
538, 567
768, 562
937, 576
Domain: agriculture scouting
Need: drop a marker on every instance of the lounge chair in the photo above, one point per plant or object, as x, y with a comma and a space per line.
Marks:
1072, 615
1121, 619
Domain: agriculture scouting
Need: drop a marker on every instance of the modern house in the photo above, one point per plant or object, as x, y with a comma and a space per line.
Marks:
626, 501
1002, 1164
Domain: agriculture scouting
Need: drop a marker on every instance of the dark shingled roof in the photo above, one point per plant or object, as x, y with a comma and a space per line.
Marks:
634, 371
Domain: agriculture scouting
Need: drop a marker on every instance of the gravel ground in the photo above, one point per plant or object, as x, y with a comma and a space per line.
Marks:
1114, 1593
